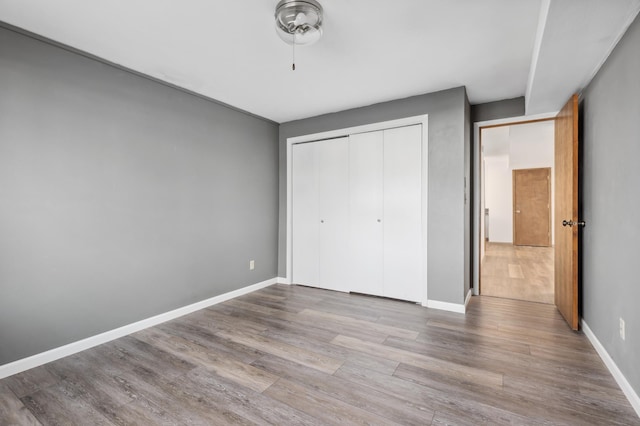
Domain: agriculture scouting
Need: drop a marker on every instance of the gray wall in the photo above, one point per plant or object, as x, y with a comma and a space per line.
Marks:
446, 215
611, 148
498, 109
120, 198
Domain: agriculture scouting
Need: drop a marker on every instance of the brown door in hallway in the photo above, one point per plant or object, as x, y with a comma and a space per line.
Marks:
566, 212
532, 207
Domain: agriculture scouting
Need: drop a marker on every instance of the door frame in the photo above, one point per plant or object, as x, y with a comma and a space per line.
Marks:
477, 190
330, 134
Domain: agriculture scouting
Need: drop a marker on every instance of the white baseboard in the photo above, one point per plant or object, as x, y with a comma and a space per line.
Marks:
33, 361
631, 395
467, 299
445, 306
283, 280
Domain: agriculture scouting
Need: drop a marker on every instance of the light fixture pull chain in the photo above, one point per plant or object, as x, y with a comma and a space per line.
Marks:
293, 65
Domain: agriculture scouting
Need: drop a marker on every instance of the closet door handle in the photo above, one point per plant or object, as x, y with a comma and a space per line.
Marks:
379, 220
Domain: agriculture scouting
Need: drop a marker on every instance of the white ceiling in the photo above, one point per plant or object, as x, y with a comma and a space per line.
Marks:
499, 141
371, 51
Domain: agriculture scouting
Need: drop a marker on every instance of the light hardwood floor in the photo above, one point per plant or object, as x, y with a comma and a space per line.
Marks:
518, 272
295, 355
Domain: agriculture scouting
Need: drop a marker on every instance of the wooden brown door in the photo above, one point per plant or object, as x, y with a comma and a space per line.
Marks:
532, 207
566, 212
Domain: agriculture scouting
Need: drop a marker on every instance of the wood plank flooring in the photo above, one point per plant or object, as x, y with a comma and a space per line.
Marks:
518, 272
296, 355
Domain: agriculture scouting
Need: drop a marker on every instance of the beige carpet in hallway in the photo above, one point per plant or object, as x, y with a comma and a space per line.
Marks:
518, 272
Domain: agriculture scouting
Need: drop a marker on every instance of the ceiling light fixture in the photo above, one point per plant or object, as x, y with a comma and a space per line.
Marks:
298, 22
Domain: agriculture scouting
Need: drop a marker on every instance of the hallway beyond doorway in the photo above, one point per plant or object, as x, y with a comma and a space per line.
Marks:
518, 272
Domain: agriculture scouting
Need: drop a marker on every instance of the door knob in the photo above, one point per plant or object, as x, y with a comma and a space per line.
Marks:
517, 211
570, 223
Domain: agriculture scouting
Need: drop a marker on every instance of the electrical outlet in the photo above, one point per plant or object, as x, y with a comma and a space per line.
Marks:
252, 265
622, 329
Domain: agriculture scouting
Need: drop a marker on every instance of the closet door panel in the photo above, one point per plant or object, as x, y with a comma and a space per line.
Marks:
306, 215
402, 213
366, 212
333, 191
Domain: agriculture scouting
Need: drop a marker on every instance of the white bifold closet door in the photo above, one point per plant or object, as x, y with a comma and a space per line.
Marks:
305, 215
357, 213
366, 212
385, 203
402, 241
320, 214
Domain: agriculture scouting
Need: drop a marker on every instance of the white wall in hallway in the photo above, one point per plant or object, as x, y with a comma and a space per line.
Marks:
499, 198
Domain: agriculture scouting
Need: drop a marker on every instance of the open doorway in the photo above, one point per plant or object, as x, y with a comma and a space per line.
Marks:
516, 178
